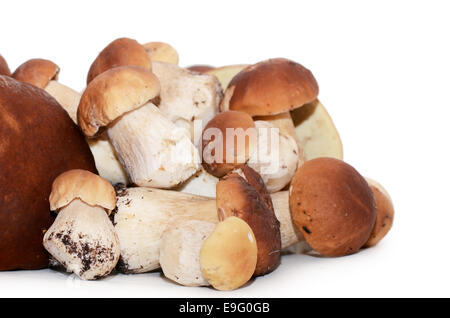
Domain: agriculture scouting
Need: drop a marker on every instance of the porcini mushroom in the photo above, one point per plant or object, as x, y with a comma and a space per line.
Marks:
333, 206
244, 195
120, 52
161, 52
228, 257
225, 73
316, 132
385, 213
200, 68
153, 151
180, 252
143, 214
4, 69
44, 74
82, 238
187, 97
227, 142
271, 88
202, 183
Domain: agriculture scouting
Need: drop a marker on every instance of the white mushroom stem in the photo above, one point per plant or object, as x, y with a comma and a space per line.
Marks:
66, 97
202, 183
83, 240
144, 214
276, 157
153, 151
106, 161
187, 96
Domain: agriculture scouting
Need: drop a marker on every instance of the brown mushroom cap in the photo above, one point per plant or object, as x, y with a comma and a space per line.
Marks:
270, 87
200, 68
385, 213
235, 196
84, 185
228, 256
332, 206
161, 52
37, 72
113, 93
120, 52
222, 121
4, 69
39, 142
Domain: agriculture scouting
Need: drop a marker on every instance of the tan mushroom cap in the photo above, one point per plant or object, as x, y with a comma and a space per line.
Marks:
385, 213
113, 93
244, 195
4, 69
161, 52
83, 185
332, 206
228, 256
270, 87
239, 154
120, 52
37, 72
200, 68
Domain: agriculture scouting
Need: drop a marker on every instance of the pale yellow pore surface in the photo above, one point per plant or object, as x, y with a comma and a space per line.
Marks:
226, 73
228, 256
316, 132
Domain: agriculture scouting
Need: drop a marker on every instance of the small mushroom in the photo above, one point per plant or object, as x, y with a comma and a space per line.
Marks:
180, 252
142, 215
161, 52
226, 73
44, 74
200, 68
385, 213
229, 255
82, 238
202, 183
332, 206
4, 69
153, 151
227, 142
243, 194
120, 52
187, 97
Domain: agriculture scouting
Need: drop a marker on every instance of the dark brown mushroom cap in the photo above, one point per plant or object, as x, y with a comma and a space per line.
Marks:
237, 197
39, 141
4, 69
200, 68
222, 121
120, 52
385, 213
332, 206
270, 87
37, 72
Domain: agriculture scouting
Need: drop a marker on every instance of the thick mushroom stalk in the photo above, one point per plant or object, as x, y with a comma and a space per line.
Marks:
187, 96
276, 158
142, 215
152, 149
82, 238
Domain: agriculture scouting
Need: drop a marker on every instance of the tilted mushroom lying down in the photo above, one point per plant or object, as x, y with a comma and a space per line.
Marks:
153, 151
82, 238
143, 214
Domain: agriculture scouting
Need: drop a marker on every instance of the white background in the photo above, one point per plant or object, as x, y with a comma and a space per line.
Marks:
383, 69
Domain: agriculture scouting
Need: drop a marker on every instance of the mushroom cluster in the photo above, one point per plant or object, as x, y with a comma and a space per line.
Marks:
206, 173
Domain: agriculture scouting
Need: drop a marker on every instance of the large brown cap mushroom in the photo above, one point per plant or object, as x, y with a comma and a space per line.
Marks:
4, 69
37, 72
242, 194
120, 52
332, 206
385, 213
113, 93
220, 156
38, 142
83, 185
270, 87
